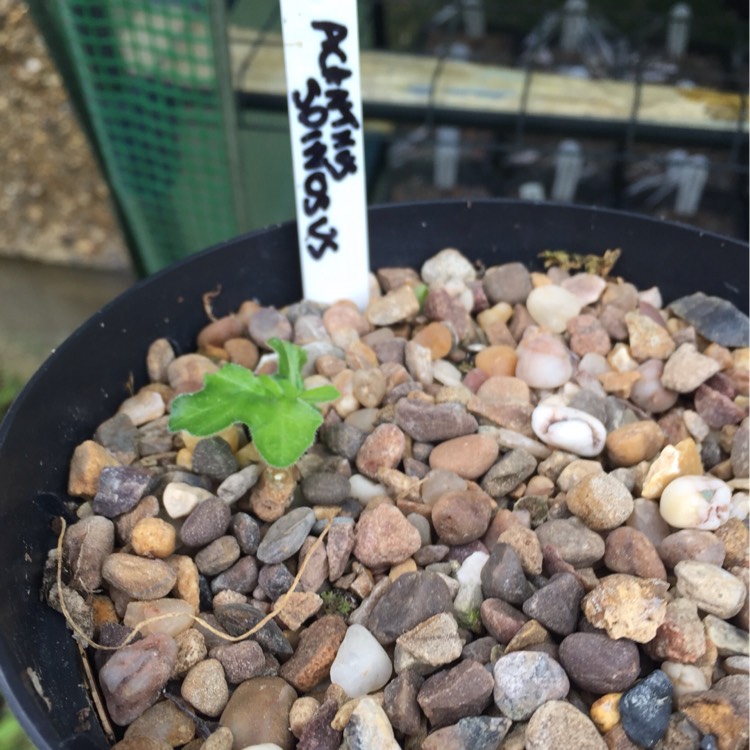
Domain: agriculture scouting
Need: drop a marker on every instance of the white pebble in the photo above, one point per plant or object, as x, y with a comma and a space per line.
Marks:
740, 506
446, 373
648, 391
363, 489
696, 425
588, 287
685, 678
552, 306
568, 429
180, 499
470, 572
594, 364
445, 265
696, 502
361, 665
144, 407
651, 296
543, 360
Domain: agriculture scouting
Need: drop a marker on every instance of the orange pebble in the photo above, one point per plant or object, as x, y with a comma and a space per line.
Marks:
437, 338
497, 360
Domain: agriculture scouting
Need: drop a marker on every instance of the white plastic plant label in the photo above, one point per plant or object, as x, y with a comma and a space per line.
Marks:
321, 55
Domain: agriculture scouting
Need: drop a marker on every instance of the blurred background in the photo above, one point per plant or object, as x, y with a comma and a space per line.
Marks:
135, 132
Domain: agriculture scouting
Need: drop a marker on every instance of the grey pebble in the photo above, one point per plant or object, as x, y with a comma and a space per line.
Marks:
427, 595
134, 676
524, 680
343, 439
574, 542
238, 484
119, 436
213, 457
285, 536
241, 577
275, 580
714, 318
241, 661
86, 546
506, 474
509, 282
267, 323
237, 619
205, 523
246, 531
325, 488
503, 577
557, 605
119, 489
430, 423
218, 556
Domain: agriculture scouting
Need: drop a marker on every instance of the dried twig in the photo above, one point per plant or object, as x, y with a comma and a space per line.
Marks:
281, 603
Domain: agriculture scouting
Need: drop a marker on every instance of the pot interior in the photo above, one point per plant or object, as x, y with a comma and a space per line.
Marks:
83, 382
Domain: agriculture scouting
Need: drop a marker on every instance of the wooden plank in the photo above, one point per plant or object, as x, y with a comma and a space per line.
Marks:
396, 80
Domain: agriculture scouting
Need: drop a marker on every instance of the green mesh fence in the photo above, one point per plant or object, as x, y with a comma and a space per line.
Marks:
151, 81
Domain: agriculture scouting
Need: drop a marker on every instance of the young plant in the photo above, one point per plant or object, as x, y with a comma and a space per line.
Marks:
277, 409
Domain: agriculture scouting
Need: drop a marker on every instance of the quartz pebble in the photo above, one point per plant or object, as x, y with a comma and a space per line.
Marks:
543, 361
361, 665
552, 307
568, 429
695, 502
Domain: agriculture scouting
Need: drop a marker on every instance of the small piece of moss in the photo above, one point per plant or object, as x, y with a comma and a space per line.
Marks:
338, 602
601, 265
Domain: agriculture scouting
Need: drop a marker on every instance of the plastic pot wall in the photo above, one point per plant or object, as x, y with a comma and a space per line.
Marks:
84, 381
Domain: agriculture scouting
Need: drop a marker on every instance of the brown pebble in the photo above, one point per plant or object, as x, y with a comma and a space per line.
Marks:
383, 447
460, 517
313, 657
89, 458
153, 537
268, 700
243, 352
497, 360
138, 577
630, 551
526, 545
734, 535
437, 338
384, 537
469, 456
635, 442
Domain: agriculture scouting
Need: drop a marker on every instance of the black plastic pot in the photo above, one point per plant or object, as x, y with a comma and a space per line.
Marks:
84, 381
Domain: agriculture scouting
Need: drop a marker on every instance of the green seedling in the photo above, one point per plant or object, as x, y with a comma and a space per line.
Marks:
280, 414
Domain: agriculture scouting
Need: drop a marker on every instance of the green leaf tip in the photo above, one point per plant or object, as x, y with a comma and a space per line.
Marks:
277, 409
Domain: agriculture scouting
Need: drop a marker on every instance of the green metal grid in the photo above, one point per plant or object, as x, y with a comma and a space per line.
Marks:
151, 82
